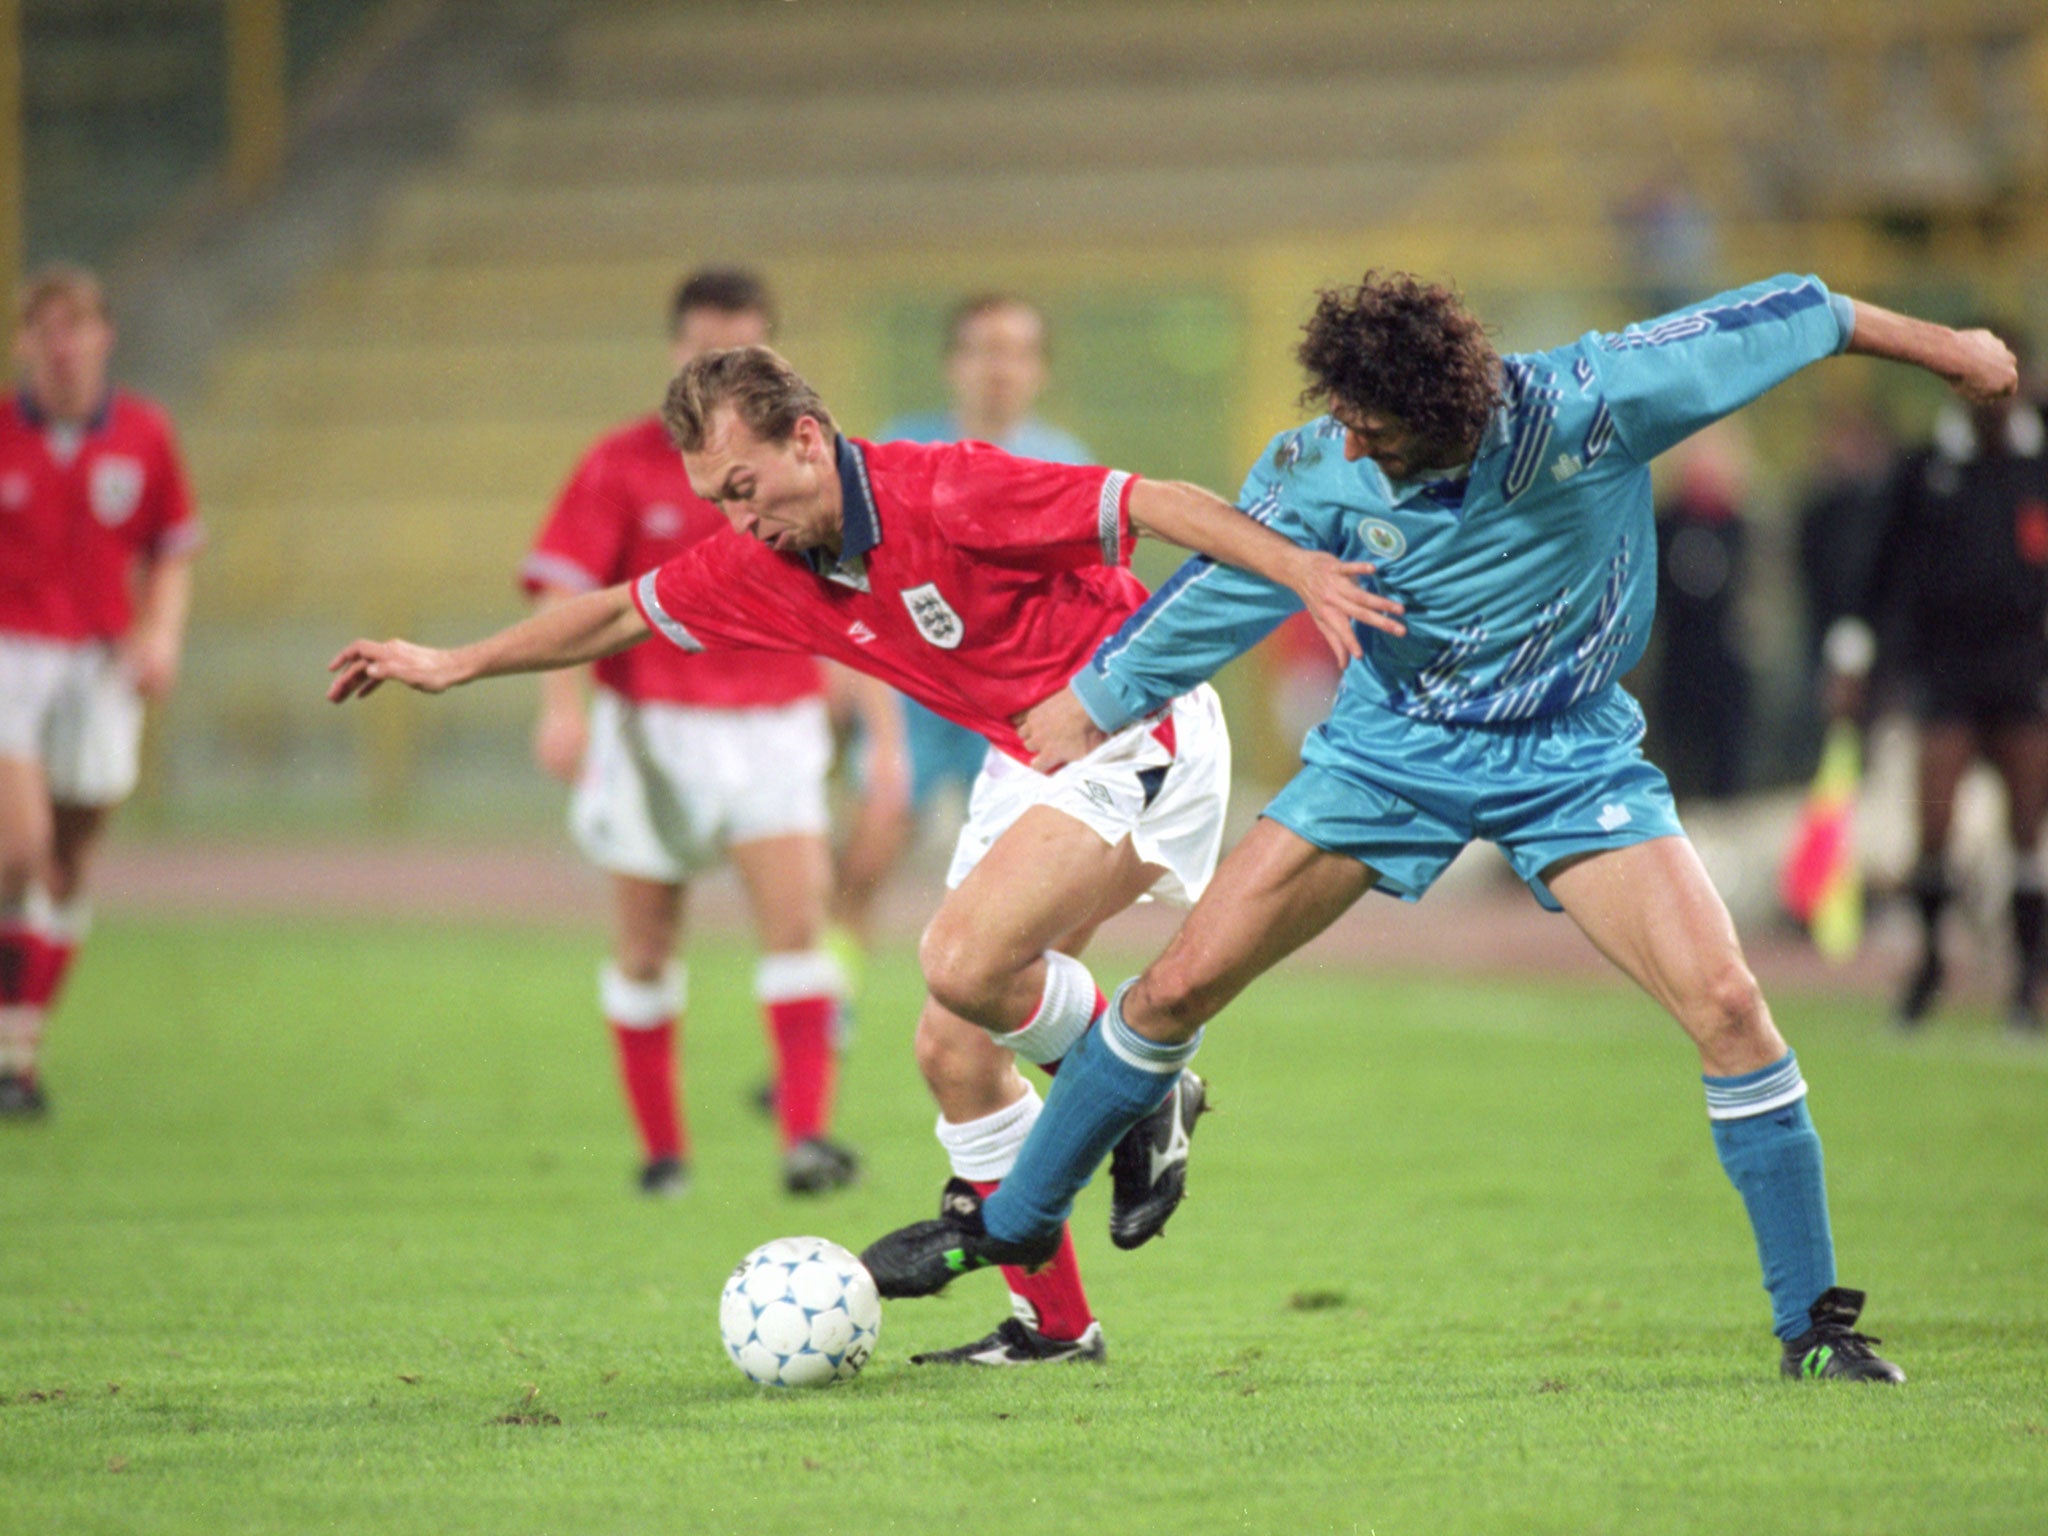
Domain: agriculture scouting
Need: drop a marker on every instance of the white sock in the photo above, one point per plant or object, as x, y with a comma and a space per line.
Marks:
1064, 1012
983, 1150
642, 1004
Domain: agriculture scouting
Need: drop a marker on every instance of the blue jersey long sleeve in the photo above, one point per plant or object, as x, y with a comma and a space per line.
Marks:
1529, 577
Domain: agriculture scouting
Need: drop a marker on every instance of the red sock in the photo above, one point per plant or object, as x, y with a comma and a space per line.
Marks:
21, 957
46, 975
803, 1028
647, 1068
1054, 1292
25, 964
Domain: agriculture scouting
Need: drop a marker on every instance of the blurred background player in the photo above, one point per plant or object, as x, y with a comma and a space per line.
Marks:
682, 759
1960, 603
96, 540
996, 365
1700, 725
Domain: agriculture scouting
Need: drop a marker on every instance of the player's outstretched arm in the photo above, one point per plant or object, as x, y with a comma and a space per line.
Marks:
565, 635
1328, 587
1977, 365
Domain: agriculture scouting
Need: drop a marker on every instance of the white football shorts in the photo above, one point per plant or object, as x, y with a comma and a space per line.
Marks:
1170, 804
69, 706
667, 788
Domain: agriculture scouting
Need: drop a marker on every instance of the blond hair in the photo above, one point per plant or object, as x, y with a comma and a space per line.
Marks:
764, 391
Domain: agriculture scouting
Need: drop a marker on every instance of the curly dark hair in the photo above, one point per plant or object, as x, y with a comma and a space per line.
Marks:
1405, 348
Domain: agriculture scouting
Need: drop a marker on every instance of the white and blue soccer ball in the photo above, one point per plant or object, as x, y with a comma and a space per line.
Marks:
800, 1312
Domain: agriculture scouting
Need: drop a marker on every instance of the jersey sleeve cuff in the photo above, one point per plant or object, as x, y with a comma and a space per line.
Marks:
658, 619
545, 568
1098, 697
1113, 517
1844, 308
180, 540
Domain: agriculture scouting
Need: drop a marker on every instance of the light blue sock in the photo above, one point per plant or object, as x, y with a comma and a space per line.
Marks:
1108, 1081
1772, 1155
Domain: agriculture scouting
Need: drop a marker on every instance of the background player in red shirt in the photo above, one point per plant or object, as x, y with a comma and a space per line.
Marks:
96, 540
681, 759
973, 582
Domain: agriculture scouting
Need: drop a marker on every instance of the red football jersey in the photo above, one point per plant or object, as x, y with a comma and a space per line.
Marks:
80, 510
974, 582
627, 509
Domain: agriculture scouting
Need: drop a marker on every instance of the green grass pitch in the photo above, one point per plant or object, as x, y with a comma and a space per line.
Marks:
331, 1231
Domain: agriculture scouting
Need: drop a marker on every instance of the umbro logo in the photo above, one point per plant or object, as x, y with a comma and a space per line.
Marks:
859, 633
1612, 816
1567, 465
1099, 793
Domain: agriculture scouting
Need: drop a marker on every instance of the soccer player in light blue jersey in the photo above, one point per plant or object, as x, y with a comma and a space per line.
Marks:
1505, 503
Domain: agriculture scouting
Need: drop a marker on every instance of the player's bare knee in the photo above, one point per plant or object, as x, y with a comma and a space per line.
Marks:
1726, 1007
956, 966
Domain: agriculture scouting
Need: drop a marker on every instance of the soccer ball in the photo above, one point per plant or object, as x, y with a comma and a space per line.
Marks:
799, 1312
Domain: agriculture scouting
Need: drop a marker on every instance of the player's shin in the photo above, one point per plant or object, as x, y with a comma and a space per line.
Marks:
1110, 1079
1772, 1155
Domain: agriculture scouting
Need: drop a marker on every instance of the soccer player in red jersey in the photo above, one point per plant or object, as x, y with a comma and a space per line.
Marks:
96, 540
976, 583
682, 758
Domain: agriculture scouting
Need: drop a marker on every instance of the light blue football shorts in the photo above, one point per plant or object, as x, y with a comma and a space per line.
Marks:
1404, 796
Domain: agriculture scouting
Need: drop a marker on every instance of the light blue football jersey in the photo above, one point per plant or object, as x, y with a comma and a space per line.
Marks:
1529, 577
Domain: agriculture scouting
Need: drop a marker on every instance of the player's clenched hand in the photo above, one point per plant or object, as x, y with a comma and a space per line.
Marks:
1987, 370
1058, 731
364, 665
1329, 591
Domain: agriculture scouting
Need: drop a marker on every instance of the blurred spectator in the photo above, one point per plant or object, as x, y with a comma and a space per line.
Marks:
1702, 694
1841, 519
996, 366
96, 543
1959, 595
1670, 241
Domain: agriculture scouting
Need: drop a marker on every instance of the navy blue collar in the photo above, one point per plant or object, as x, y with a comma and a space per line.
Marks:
860, 526
32, 412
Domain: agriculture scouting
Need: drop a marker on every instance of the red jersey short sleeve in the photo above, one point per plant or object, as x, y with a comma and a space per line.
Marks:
1028, 511
81, 513
627, 509
929, 594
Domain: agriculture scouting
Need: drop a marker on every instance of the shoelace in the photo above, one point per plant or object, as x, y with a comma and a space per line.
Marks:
1856, 1345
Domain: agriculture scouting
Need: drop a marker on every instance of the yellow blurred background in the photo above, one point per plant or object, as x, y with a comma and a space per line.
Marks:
393, 265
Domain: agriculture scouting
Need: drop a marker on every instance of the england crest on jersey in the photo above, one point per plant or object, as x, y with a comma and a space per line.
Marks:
115, 489
933, 616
